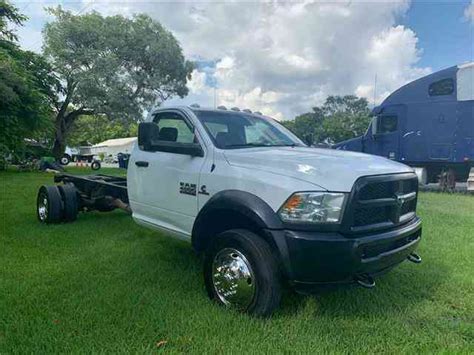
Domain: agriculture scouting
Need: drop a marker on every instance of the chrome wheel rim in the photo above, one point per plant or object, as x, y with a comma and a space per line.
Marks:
64, 161
43, 208
233, 278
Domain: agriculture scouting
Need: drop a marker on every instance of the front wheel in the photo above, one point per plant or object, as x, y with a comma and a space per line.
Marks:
241, 272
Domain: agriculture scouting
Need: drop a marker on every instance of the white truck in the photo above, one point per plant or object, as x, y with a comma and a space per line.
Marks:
263, 209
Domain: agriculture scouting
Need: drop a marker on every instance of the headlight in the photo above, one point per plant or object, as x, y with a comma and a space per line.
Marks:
313, 207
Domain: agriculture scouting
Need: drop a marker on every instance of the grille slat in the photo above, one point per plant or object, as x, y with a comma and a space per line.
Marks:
383, 200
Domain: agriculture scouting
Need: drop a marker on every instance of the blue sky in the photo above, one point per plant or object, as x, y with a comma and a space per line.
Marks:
283, 58
444, 33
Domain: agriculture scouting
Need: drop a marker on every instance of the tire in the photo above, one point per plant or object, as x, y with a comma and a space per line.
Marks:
259, 285
70, 202
65, 160
95, 165
49, 205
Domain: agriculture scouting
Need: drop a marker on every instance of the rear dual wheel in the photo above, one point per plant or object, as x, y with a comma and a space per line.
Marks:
55, 204
70, 202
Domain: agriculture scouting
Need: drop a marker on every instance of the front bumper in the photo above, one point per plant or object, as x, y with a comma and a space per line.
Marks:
311, 258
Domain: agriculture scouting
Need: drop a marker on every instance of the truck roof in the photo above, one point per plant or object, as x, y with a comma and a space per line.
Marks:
220, 109
416, 90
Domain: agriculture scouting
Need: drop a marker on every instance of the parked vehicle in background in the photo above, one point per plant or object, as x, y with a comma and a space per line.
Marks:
427, 124
263, 208
69, 155
82, 153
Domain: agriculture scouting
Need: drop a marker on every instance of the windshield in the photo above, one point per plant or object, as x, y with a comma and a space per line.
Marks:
234, 130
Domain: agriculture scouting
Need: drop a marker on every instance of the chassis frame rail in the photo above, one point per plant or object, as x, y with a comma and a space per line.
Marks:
95, 189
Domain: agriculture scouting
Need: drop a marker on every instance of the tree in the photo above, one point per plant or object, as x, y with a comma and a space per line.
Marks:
306, 126
9, 14
27, 90
340, 127
348, 104
339, 118
345, 117
111, 66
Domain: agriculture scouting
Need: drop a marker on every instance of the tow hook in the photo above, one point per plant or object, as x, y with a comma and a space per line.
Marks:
365, 281
414, 258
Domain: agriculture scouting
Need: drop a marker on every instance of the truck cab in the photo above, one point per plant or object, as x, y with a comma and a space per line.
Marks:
428, 124
264, 208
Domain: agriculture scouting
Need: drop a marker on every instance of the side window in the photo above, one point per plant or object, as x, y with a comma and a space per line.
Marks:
441, 87
173, 128
387, 124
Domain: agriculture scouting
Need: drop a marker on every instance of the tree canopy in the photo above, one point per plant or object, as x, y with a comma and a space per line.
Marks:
27, 89
9, 14
113, 66
338, 119
94, 129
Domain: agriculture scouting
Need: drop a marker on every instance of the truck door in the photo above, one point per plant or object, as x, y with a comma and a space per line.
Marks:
384, 137
163, 185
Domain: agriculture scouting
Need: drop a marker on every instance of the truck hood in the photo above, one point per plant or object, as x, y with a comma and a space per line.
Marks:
329, 169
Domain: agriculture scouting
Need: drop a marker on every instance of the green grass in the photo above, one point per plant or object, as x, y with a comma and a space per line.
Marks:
104, 284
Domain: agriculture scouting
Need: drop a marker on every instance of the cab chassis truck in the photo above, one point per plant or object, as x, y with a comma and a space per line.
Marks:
263, 209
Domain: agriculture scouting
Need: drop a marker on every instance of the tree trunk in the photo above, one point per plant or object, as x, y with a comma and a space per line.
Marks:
62, 126
59, 144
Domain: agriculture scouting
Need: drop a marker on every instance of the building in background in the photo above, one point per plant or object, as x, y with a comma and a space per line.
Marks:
112, 147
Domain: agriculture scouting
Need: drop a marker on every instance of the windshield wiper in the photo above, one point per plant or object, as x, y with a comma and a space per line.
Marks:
252, 145
243, 145
285, 145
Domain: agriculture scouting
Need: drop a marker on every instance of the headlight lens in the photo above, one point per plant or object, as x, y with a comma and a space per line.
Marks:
313, 207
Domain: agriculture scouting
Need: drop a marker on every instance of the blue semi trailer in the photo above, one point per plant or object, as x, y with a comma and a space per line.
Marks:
427, 124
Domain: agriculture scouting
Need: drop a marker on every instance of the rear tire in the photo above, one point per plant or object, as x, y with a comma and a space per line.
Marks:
70, 202
49, 205
240, 271
95, 165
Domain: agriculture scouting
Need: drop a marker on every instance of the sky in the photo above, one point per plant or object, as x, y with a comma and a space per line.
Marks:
283, 58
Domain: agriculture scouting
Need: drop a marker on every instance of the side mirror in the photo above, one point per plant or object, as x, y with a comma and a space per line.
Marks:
375, 125
147, 133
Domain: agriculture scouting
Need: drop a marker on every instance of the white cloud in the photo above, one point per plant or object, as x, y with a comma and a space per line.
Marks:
197, 83
392, 56
469, 12
283, 58
299, 52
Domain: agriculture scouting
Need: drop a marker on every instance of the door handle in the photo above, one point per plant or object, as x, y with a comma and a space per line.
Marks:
142, 164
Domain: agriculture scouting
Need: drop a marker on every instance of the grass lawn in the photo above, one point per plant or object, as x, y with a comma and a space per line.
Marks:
104, 284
